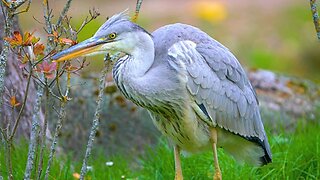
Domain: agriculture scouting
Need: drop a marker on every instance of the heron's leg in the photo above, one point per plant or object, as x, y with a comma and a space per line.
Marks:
177, 163
214, 137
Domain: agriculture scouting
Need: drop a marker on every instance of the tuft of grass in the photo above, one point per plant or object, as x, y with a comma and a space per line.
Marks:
60, 167
64, 167
295, 156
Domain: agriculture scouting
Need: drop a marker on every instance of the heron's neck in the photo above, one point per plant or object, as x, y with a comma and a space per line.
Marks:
130, 71
142, 56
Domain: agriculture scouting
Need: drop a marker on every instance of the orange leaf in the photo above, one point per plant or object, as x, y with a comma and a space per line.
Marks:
13, 101
17, 36
54, 34
16, 39
38, 49
67, 41
29, 39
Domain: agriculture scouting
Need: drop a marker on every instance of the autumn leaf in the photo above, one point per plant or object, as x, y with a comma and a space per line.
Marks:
63, 41
14, 102
29, 39
67, 41
15, 40
18, 40
38, 49
54, 34
47, 68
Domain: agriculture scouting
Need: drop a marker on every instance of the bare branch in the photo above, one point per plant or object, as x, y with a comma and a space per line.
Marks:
93, 15
63, 13
34, 134
15, 126
315, 16
44, 130
138, 6
96, 119
5, 50
62, 117
24, 10
48, 16
13, 5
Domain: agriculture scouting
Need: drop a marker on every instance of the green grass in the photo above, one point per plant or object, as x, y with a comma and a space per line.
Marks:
295, 156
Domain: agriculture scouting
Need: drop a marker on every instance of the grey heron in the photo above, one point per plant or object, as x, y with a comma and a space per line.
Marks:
194, 88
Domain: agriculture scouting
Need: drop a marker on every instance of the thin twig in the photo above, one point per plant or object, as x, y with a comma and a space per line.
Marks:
34, 134
44, 130
15, 126
47, 16
62, 117
58, 79
24, 10
15, 4
315, 16
63, 13
93, 15
138, 6
96, 119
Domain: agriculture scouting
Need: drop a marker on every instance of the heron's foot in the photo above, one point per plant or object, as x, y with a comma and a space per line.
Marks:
217, 175
178, 176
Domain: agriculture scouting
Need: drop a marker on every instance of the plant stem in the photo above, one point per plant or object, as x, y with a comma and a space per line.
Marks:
315, 16
62, 116
44, 131
64, 12
136, 14
96, 119
47, 16
15, 126
34, 134
9, 163
5, 50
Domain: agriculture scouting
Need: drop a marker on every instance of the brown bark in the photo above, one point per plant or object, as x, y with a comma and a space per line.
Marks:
16, 81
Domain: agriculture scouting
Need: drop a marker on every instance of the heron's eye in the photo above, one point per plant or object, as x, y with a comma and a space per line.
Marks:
112, 35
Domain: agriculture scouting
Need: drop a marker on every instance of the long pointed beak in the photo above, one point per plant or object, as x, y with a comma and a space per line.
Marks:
87, 47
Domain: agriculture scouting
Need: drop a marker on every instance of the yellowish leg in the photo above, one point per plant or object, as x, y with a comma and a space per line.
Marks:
177, 162
214, 137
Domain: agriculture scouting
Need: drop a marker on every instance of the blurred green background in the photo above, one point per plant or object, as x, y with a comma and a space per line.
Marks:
277, 35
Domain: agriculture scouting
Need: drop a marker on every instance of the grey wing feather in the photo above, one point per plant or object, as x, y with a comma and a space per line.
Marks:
216, 79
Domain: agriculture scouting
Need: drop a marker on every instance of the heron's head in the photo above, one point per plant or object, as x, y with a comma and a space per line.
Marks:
117, 34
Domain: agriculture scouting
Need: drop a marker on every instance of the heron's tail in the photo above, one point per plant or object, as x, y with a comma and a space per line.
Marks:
267, 158
245, 149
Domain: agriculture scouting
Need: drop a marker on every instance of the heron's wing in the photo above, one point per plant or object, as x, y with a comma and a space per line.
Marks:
219, 86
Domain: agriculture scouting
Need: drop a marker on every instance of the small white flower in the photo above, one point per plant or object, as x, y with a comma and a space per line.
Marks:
123, 176
109, 163
89, 168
